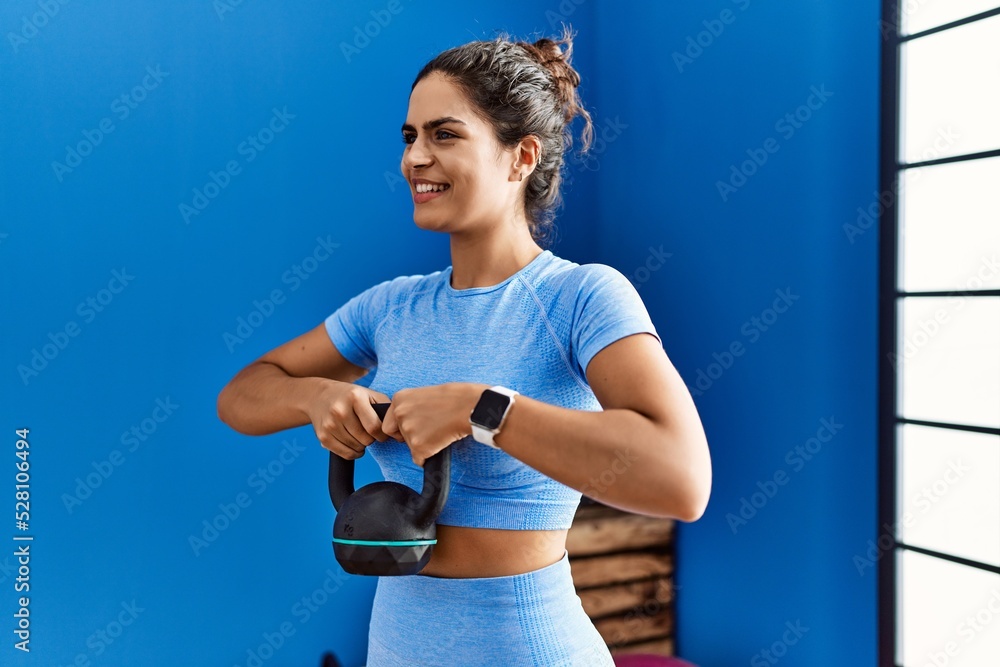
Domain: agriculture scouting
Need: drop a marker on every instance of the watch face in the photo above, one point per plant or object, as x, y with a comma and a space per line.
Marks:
489, 411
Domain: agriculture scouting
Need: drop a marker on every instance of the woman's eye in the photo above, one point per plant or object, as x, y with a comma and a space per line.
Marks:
407, 137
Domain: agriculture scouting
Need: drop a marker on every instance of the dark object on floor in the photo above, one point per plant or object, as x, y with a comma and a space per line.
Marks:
329, 660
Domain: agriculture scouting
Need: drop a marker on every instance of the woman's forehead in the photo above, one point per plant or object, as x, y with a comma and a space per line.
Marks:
436, 97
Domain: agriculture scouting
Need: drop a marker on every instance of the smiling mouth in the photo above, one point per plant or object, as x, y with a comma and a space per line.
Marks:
421, 197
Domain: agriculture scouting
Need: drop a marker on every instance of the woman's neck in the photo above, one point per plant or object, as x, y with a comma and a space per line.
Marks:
486, 262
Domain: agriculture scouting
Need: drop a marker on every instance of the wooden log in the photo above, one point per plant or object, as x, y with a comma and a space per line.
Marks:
607, 533
621, 598
585, 512
631, 628
622, 566
619, 568
662, 646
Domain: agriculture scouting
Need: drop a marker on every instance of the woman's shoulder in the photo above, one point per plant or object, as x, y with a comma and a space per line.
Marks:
566, 276
403, 286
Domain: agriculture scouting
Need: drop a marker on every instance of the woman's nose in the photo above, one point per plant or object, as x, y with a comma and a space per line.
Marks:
415, 155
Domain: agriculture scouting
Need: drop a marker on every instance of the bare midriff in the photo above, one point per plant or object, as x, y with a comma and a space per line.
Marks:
463, 552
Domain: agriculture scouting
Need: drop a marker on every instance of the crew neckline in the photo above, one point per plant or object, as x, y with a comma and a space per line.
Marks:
468, 291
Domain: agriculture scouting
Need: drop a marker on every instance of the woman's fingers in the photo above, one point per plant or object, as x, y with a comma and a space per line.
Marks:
339, 441
369, 419
334, 434
350, 423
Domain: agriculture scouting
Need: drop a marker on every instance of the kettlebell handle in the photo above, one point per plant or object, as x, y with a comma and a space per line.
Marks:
381, 409
437, 470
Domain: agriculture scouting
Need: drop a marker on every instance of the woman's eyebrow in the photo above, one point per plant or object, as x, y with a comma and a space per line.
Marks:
431, 124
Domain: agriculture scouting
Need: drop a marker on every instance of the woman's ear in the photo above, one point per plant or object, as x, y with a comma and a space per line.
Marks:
529, 153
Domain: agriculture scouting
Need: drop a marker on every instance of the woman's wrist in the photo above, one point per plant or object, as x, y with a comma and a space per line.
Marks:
471, 391
305, 391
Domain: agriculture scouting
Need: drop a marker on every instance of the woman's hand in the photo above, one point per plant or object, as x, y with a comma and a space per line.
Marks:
428, 419
344, 419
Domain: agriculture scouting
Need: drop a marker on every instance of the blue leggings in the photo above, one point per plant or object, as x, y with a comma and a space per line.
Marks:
534, 619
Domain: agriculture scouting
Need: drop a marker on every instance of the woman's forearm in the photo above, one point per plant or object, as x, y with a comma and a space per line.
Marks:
617, 457
262, 398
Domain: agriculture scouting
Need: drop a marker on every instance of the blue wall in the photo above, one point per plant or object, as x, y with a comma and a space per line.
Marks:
690, 119
253, 159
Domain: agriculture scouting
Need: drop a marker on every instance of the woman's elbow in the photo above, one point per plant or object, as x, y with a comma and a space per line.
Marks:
227, 409
699, 490
222, 406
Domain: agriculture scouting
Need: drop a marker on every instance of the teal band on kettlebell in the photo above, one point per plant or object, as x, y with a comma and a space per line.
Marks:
395, 543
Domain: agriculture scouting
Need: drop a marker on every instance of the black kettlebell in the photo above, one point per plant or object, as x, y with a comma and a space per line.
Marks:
386, 528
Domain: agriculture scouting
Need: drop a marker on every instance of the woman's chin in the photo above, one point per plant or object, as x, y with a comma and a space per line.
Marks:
430, 223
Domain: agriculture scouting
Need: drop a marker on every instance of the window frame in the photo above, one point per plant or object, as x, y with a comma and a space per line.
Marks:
890, 298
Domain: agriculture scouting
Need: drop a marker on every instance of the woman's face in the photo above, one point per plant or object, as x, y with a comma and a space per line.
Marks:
462, 153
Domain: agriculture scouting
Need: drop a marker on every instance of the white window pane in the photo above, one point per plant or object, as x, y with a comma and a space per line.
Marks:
920, 15
948, 355
949, 492
950, 227
950, 96
949, 614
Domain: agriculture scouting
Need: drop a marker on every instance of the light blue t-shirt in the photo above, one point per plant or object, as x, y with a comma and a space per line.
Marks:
535, 332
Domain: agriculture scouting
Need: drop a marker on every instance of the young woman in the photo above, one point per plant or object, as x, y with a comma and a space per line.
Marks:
558, 363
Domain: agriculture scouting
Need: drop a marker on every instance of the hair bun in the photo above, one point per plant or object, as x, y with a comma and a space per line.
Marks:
548, 53
556, 61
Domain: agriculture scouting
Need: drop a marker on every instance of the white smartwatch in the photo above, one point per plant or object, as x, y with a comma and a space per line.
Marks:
491, 411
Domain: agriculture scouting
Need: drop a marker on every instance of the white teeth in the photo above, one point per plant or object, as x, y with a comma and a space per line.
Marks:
427, 187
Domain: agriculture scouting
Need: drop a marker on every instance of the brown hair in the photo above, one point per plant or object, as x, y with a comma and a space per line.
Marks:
520, 89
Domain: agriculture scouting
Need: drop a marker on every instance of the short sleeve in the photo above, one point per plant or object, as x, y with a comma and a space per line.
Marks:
608, 308
352, 326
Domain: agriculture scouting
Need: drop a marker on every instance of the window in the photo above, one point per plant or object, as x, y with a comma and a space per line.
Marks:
939, 338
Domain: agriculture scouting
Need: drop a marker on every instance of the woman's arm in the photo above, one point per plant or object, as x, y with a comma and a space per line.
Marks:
262, 398
646, 452
273, 392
